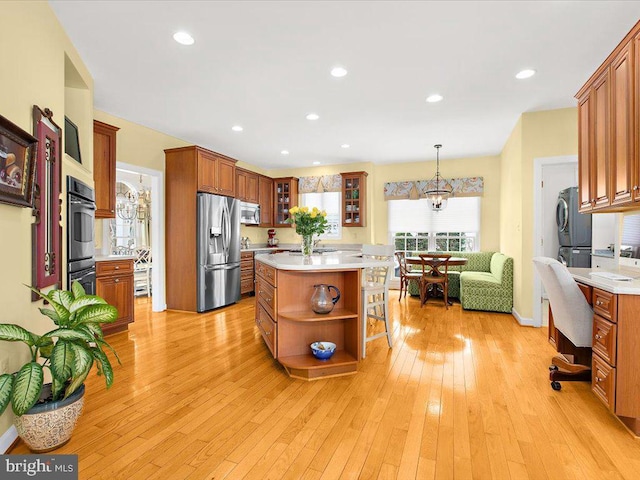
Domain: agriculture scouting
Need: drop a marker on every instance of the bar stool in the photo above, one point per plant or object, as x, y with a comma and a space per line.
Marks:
375, 292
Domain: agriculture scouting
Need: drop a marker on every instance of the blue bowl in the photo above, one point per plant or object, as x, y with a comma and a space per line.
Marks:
323, 350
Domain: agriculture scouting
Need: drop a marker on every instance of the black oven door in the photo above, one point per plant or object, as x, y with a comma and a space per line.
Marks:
86, 278
81, 228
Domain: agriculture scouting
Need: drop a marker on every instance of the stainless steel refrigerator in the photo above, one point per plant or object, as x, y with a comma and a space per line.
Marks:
218, 251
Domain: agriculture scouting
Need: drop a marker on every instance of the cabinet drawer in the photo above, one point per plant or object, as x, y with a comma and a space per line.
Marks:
248, 256
246, 267
266, 272
605, 304
267, 328
266, 295
603, 381
113, 267
604, 339
246, 285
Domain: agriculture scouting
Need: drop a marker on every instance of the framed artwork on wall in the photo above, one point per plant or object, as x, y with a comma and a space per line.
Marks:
17, 164
47, 230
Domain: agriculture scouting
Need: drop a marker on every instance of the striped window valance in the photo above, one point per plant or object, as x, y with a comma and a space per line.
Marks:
462, 187
324, 183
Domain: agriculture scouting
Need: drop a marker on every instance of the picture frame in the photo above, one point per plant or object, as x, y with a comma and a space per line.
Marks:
17, 164
46, 230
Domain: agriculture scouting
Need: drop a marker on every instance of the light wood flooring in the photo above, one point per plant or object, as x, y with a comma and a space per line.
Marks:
462, 395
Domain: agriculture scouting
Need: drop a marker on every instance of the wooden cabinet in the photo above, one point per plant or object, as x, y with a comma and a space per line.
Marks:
114, 283
247, 186
104, 168
265, 197
354, 199
288, 325
188, 171
216, 173
246, 272
608, 112
285, 197
616, 334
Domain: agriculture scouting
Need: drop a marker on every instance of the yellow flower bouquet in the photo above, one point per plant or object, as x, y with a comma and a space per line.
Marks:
308, 222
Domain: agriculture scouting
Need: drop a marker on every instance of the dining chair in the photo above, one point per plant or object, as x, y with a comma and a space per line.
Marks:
375, 292
142, 271
406, 275
435, 269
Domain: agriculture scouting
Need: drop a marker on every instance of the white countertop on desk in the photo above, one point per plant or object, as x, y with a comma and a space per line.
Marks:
325, 261
625, 287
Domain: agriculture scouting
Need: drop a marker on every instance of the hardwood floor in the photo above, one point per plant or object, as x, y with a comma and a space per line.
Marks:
461, 395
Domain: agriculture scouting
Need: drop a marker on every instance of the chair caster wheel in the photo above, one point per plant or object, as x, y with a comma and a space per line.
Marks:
556, 386
553, 368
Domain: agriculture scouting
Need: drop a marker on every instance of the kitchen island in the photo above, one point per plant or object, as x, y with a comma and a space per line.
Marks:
284, 286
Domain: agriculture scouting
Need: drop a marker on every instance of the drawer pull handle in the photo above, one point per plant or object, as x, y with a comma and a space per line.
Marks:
117, 280
597, 337
117, 267
267, 333
598, 379
598, 302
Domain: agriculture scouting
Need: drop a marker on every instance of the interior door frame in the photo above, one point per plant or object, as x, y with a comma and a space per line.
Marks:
538, 164
158, 284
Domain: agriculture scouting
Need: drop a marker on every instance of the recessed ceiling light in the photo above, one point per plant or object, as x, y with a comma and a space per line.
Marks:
434, 98
183, 38
338, 71
312, 116
316, 163
237, 128
345, 145
525, 74
285, 152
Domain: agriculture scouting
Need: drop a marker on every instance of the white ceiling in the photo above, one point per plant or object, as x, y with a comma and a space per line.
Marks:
265, 65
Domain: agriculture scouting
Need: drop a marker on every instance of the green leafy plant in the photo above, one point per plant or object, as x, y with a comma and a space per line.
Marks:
68, 351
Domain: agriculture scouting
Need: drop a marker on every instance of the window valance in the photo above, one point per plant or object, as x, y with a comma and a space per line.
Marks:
462, 187
324, 183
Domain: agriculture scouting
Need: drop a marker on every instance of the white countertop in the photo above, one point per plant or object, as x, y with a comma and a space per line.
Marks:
326, 261
625, 287
103, 258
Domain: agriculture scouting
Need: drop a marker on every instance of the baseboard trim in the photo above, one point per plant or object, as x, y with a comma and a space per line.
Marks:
8, 438
524, 321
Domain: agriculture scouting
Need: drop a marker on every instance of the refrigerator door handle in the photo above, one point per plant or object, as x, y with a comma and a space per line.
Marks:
225, 266
226, 230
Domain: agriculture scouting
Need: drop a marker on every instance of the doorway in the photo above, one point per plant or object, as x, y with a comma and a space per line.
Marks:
144, 231
550, 175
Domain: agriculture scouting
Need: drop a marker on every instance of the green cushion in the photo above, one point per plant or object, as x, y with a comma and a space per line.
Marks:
489, 291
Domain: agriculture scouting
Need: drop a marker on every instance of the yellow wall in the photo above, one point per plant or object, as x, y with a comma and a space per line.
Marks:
33, 46
548, 133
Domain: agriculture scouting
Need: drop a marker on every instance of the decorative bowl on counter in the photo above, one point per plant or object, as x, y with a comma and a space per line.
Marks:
323, 350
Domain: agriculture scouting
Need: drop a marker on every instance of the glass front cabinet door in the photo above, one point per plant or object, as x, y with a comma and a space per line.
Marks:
354, 199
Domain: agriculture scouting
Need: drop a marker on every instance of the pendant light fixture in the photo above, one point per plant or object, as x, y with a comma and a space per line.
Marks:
439, 190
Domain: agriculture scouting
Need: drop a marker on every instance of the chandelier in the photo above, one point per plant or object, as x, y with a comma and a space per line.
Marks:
439, 190
126, 202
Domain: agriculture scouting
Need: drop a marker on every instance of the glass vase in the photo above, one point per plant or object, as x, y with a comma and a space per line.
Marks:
307, 245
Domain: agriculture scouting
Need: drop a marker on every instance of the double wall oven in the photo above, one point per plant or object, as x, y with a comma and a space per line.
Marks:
81, 209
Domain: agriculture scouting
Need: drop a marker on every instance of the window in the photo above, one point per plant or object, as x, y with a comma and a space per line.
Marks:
413, 226
330, 202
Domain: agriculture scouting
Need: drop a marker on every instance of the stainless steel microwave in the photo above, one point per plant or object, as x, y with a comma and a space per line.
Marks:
249, 213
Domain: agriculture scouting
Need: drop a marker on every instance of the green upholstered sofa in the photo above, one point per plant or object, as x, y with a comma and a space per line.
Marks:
484, 283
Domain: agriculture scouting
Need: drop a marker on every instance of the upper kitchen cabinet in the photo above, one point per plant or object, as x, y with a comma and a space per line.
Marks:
265, 197
104, 168
354, 199
285, 197
247, 186
609, 175
216, 173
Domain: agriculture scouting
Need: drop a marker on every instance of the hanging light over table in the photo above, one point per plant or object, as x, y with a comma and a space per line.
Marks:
439, 191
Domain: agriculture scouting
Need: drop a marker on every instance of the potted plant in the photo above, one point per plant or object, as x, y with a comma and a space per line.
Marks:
47, 413
308, 223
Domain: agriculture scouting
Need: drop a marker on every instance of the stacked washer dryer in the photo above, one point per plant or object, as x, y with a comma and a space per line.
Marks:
574, 230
